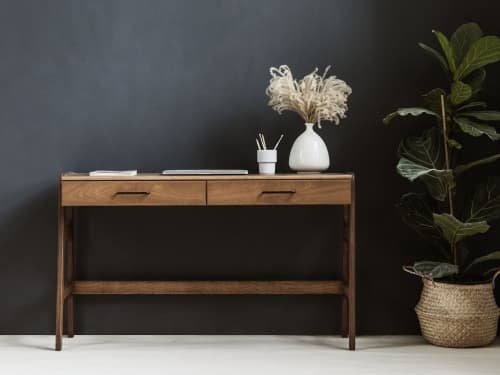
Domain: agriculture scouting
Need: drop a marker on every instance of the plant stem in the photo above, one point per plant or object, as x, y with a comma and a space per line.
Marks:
447, 164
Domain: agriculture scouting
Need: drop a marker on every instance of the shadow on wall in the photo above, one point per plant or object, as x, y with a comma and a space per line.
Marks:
28, 244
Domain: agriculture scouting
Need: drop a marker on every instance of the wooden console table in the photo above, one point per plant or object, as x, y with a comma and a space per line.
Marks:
246, 190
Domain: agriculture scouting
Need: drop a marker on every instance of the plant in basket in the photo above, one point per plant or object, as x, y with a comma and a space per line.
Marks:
457, 307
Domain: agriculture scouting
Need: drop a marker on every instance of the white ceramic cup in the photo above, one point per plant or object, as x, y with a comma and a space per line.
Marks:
267, 161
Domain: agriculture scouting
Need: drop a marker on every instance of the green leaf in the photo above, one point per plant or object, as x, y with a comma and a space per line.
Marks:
433, 99
423, 158
485, 203
465, 167
416, 212
445, 46
440, 59
472, 105
454, 144
483, 115
437, 181
435, 270
412, 170
476, 129
494, 256
463, 38
425, 150
455, 230
460, 92
413, 111
476, 79
483, 52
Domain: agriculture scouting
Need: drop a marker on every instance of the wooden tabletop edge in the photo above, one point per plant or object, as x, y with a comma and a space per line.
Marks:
73, 176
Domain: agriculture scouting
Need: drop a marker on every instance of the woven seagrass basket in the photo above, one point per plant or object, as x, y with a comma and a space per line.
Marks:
458, 315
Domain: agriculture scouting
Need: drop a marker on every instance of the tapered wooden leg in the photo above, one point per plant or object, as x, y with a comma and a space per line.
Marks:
352, 271
70, 303
345, 272
344, 327
60, 279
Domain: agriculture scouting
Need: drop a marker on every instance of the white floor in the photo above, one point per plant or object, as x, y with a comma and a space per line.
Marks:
236, 355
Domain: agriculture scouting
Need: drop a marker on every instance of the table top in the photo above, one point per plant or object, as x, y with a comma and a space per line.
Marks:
73, 176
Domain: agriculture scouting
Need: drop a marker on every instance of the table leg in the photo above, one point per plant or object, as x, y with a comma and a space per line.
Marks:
352, 271
70, 324
345, 271
60, 278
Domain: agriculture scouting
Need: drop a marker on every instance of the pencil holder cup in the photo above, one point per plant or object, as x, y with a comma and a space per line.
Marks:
267, 161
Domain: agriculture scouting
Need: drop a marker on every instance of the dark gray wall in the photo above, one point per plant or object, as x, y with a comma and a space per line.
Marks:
180, 84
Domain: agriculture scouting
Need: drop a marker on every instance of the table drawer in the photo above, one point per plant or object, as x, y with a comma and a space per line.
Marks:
279, 192
133, 193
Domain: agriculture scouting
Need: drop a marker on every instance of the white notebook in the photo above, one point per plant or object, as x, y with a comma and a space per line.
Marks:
204, 171
113, 173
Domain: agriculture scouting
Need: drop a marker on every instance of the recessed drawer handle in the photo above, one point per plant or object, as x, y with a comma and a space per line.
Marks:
278, 192
132, 193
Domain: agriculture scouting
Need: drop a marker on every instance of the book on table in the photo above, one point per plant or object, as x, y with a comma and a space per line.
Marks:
105, 173
205, 171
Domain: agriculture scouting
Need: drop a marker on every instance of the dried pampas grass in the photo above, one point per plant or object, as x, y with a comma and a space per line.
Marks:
315, 98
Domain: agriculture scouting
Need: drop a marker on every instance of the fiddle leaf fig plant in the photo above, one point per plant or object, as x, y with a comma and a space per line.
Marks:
457, 115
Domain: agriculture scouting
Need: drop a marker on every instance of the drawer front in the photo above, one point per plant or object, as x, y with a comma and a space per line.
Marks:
133, 193
279, 192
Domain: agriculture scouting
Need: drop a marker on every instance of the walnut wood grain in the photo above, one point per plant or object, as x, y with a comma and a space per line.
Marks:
158, 190
351, 292
60, 278
208, 287
70, 301
133, 193
344, 325
71, 176
68, 291
278, 192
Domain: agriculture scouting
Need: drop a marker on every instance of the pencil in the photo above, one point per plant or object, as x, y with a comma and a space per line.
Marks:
277, 143
263, 141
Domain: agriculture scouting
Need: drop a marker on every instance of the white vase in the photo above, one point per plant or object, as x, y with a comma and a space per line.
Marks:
309, 152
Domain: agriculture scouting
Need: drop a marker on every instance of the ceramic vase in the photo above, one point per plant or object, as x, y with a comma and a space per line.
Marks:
309, 152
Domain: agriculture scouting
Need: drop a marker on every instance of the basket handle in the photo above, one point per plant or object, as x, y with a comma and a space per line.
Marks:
410, 270
495, 275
